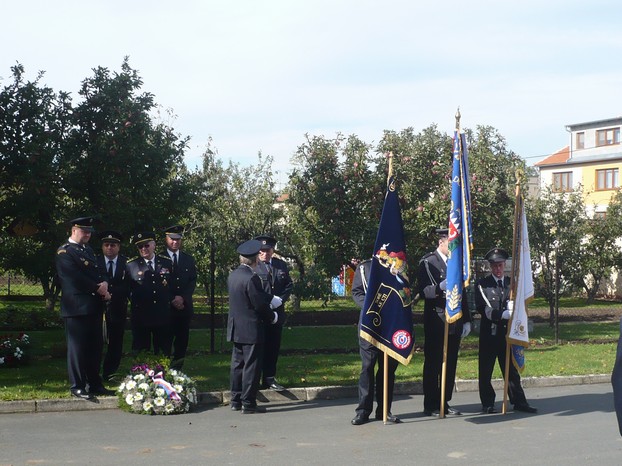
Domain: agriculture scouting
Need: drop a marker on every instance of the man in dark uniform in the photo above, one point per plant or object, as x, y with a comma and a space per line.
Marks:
275, 276
432, 285
616, 381
184, 283
115, 310
250, 309
492, 295
149, 278
370, 355
84, 288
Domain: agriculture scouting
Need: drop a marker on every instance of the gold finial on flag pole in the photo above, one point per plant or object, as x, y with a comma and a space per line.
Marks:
458, 118
390, 155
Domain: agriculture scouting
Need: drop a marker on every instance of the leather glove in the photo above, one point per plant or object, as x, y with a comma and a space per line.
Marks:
507, 314
276, 302
466, 329
510, 306
443, 285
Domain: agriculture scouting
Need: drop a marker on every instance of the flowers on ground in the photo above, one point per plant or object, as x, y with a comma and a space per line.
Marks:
156, 391
13, 350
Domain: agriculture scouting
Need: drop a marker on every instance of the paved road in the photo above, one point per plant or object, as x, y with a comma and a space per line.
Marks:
576, 426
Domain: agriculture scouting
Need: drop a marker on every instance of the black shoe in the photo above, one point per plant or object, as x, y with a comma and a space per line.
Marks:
359, 419
488, 410
452, 411
103, 391
390, 418
434, 412
525, 408
253, 409
81, 393
236, 406
271, 384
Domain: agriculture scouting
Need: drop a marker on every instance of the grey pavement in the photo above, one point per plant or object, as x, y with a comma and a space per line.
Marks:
575, 425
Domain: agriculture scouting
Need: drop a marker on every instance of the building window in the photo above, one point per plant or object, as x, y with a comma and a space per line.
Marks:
562, 182
600, 215
580, 140
608, 178
607, 137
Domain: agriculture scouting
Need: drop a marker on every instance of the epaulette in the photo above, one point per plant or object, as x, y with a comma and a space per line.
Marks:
133, 259
166, 257
365, 261
62, 249
426, 256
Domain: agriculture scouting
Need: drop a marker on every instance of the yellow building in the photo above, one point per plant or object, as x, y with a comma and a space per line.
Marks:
593, 160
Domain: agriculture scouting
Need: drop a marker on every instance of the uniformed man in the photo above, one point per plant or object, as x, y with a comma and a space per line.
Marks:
370, 355
275, 276
184, 283
84, 288
616, 381
492, 300
149, 278
250, 309
432, 285
113, 263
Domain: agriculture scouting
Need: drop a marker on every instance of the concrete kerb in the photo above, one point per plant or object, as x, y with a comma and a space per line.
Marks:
293, 394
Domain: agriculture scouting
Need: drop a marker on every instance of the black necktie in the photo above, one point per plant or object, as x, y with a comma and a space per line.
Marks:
110, 269
174, 261
150, 264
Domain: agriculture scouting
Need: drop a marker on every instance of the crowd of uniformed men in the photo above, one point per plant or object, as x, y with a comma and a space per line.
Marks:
159, 289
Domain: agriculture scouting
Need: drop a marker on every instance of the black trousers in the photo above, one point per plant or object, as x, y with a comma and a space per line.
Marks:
370, 355
272, 346
433, 366
180, 336
114, 350
491, 348
245, 371
144, 335
84, 350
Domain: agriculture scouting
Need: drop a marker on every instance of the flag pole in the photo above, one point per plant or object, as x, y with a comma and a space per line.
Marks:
516, 242
385, 355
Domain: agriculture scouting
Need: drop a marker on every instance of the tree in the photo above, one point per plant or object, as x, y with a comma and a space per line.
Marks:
599, 253
556, 228
34, 121
233, 204
119, 164
333, 208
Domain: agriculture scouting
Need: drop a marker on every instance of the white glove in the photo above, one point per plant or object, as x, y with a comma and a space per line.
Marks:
276, 318
506, 315
443, 285
510, 306
276, 302
466, 329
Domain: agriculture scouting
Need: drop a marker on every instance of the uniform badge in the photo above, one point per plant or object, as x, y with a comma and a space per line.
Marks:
86, 262
164, 282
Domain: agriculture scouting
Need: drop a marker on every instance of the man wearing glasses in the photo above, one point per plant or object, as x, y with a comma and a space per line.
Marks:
150, 291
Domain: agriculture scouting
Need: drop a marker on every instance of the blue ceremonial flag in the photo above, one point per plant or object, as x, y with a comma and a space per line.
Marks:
460, 232
518, 332
386, 317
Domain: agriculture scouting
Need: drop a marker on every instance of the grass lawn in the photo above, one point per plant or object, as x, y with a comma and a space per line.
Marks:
320, 356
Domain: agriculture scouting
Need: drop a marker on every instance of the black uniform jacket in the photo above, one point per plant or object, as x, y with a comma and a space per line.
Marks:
116, 308
249, 307
79, 276
432, 271
150, 292
184, 280
490, 301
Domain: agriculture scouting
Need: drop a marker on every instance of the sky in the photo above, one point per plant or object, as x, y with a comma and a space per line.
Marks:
256, 76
